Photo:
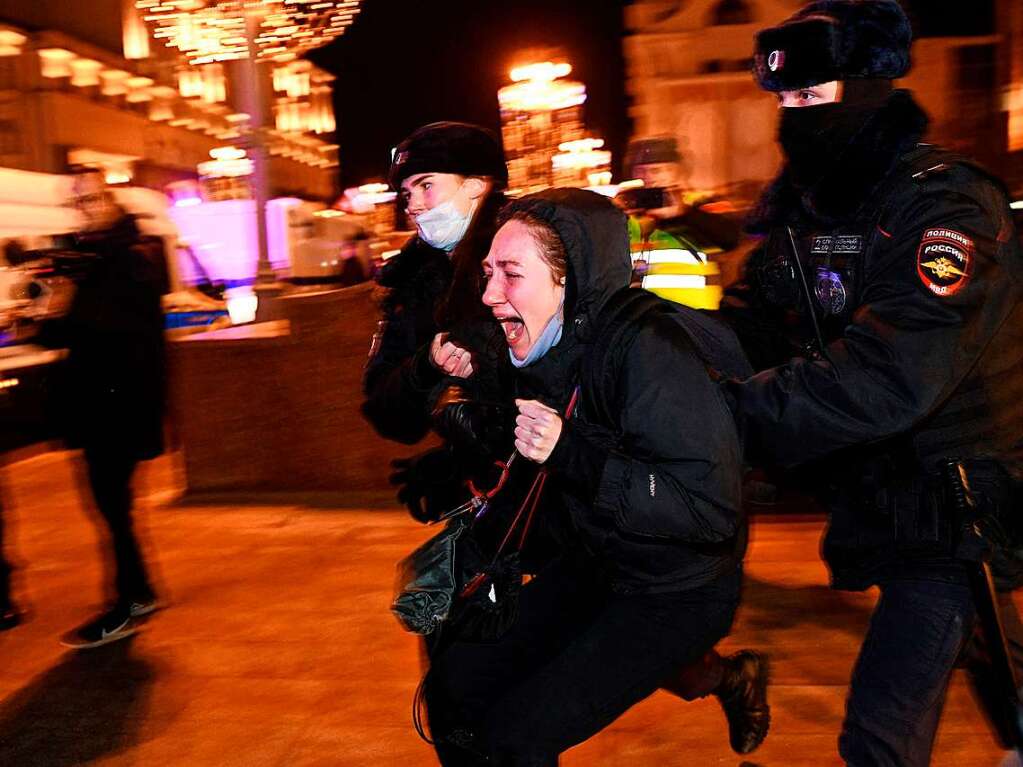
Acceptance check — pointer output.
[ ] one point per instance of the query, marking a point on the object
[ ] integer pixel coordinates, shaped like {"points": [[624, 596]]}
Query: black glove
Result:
{"points": [[483, 430], [429, 484]]}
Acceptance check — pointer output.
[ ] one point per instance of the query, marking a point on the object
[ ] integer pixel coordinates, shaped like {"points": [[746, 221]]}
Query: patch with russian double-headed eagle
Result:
{"points": [[944, 261]]}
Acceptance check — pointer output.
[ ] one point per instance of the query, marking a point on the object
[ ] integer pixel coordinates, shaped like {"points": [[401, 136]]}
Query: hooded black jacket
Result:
{"points": [[653, 488], [919, 363]]}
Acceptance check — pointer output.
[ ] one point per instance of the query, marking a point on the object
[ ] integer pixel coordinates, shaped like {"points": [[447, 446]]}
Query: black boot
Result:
{"points": [[743, 696]]}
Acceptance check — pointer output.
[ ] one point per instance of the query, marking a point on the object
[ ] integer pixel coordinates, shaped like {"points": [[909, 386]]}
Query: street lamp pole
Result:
{"points": [[254, 93]]}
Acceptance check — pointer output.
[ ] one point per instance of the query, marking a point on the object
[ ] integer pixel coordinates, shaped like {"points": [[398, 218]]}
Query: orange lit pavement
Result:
{"points": [[278, 649]]}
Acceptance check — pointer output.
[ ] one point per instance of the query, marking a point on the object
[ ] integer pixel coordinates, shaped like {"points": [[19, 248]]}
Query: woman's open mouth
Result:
{"points": [[513, 328]]}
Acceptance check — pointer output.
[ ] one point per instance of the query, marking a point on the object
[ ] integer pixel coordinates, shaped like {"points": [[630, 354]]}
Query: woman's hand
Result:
{"points": [[450, 357], [537, 429]]}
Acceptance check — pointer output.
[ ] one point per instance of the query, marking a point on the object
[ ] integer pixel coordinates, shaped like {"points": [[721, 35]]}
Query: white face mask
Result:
{"points": [[443, 226]]}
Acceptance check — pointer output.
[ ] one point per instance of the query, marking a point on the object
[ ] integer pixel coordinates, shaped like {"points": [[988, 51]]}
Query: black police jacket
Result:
{"points": [[651, 488], [399, 376], [421, 300], [884, 311]]}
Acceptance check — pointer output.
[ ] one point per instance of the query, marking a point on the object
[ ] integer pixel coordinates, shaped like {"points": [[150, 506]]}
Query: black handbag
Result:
{"points": [[450, 581], [428, 580]]}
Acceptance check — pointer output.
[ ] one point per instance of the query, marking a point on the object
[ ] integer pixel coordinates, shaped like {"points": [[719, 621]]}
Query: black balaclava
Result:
{"points": [[814, 138]]}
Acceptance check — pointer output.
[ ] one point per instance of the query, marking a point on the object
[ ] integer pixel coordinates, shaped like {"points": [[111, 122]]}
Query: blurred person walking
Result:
{"points": [[10, 615], [114, 401], [884, 311]]}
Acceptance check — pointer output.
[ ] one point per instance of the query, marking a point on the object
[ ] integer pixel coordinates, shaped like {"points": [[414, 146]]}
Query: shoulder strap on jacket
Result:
{"points": [[923, 164], [711, 340], [624, 308]]}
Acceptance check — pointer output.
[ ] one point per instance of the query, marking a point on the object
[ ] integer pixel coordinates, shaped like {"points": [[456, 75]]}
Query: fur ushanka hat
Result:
{"points": [[834, 40]]}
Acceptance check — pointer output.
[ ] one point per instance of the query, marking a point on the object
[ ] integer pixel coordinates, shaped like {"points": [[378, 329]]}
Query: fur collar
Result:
{"points": [[848, 187]]}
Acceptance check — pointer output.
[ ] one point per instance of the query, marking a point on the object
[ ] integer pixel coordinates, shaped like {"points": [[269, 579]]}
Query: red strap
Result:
{"points": [[532, 510], [488, 494], [531, 501]]}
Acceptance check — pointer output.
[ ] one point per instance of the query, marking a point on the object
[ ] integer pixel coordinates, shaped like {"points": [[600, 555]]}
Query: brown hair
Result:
{"points": [[552, 249]]}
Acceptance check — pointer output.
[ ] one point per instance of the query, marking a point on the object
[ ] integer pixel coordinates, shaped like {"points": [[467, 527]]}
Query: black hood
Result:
{"points": [[596, 239]]}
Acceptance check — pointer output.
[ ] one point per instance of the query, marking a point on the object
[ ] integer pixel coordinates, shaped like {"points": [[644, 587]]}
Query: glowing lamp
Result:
{"points": [[85, 72], [242, 303], [545, 72], [113, 82], [56, 62], [11, 42]]}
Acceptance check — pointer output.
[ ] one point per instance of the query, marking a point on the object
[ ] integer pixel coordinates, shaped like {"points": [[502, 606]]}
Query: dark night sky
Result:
{"points": [[405, 63]]}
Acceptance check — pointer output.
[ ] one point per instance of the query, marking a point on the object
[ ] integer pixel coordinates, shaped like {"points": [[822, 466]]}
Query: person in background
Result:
{"points": [[883, 309], [675, 243], [449, 177], [113, 404], [10, 615]]}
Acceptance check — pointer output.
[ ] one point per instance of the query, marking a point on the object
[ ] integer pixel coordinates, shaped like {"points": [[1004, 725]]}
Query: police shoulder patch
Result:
{"points": [[944, 261]]}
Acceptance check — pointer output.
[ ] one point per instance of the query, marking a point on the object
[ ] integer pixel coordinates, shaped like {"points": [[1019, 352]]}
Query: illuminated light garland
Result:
{"points": [[541, 96], [578, 160], [214, 30]]}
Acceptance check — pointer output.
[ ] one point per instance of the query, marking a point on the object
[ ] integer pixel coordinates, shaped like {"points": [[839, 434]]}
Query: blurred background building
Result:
{"points": [[83, 83]]}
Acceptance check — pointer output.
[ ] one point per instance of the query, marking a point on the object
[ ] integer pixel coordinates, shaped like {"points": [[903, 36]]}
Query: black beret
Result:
{"points": [[834, 40], [449, 147]]}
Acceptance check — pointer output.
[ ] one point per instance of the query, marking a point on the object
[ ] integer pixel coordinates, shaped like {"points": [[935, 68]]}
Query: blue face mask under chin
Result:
{"points": [[549, 337]]}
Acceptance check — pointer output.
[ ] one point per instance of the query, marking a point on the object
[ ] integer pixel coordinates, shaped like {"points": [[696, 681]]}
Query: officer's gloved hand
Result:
{"points": [[429, 484], [480, 429]]}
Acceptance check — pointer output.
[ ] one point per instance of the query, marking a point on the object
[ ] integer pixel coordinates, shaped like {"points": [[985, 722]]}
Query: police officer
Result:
{"points": [[449, 178], [883, 310], [673, 243]]}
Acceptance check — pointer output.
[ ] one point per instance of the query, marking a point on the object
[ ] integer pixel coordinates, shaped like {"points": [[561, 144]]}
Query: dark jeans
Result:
{"points": [[110, 473], [899, 682], [577, 657]]}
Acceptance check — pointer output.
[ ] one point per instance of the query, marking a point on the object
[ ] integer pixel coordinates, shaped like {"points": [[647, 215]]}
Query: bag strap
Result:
{"points": [[527, 510], [625, 308]]}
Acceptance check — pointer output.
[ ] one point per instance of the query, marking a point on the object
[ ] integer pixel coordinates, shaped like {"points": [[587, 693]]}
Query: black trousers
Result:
{"points": [[577, 657], [110, 471], [919, 631], [900, 679]]}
